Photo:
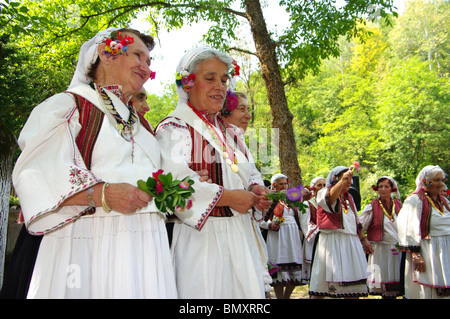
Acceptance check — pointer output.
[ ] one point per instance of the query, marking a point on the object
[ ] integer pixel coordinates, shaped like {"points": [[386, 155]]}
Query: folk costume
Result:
{"points": [[284, 245], [381, 225], [88, 252], [340, 266], [424, 227], [221, 255]]}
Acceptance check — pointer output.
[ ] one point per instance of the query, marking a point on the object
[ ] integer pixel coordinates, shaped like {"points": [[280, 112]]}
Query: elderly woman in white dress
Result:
{"points": [[218, 252], [424, 233], [340, 266], [310, 228], [284, 243], [379, 220], [83, 152]]}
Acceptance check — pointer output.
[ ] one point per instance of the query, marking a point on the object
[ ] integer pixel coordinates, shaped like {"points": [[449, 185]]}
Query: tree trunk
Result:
{"points": [[282, 117], [8, 145]]}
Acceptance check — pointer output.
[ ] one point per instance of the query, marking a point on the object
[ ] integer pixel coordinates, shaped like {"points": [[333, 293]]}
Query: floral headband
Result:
{"points": [[117, 44], [235, 71], [185, 79]]}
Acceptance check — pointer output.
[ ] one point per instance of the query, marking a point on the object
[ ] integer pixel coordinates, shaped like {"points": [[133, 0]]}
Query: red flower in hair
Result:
{"points": [[375, 187]]}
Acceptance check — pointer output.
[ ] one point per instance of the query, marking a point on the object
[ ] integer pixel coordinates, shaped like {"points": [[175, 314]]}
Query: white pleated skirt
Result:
{"points": [[226, 259], [340, 267], [106, 256], [436, 278], [384, 268], [285, 249]]}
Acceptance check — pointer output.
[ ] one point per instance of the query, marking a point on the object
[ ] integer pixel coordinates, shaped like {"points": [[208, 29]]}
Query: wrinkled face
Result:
{"points": [[281, 184], [437, 184], [384, 188], [140, 101], [131, 70], [240, 116], [210, 86], [319, 184]]}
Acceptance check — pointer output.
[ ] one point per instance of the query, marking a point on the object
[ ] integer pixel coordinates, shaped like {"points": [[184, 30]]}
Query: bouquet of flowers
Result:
{"points": [[168, 194], [278, 218], [396, 249], [293, 197]]}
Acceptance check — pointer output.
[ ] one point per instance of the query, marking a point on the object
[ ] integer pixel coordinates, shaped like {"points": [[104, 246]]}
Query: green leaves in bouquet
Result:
{"points": [[168, 194]]}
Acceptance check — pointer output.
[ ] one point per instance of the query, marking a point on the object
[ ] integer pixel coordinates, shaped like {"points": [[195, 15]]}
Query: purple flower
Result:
{"points": [[295, 193]]}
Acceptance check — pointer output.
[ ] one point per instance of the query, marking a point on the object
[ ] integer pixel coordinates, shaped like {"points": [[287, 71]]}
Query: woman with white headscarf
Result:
{"points": [[340, 267], [83, 152], [379, 220], [424, 234], [218, 252]]}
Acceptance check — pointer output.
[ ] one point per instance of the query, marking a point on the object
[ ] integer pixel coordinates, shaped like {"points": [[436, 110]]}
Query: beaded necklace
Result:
{"points": [[344, 204], [389, 215], [230, 156], [125, 128], [441, 211]]}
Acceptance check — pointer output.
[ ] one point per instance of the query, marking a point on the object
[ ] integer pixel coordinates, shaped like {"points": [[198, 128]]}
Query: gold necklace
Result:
{"points": [[344, 204], [434, 206], [391, 215]]}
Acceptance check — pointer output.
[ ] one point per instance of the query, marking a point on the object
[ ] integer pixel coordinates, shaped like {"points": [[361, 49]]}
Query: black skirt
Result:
{"points": [[20, 268]]}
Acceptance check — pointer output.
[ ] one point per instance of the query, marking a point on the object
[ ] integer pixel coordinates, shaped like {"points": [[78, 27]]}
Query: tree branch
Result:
{"points": [[242, 51]]}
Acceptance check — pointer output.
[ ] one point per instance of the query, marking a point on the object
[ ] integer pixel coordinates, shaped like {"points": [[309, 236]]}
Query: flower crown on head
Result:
{"points": [[231, 103], [117, 44], [184, 79]]}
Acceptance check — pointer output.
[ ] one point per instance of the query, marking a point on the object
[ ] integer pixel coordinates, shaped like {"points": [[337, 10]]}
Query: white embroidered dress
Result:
{"points": [[384, 263], [104, 255], [220, 257], [435, 250], [339, 261]]}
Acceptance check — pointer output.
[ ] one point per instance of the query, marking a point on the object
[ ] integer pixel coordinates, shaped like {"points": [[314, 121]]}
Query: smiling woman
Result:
{"points": [[83, 151], [226, 259]]}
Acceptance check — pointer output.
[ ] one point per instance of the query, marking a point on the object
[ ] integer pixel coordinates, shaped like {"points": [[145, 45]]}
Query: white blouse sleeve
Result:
{"points": [[50, 168], [408, 224], [176, 146], [366, 217]]}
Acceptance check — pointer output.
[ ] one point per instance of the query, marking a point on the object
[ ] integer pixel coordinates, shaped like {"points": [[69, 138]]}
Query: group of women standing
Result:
{"points": [[84, 150], [348, 255]]}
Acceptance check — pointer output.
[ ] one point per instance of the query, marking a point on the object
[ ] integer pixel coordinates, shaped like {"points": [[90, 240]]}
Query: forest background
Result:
{"points": [[384, 101]]}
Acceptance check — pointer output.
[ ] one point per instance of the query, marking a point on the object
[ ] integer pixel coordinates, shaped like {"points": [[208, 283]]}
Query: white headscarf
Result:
{"points": [[334, 174], [315, 180], [276, 177], [184, 65], [87, 56], [394, 183], [426, 173]]}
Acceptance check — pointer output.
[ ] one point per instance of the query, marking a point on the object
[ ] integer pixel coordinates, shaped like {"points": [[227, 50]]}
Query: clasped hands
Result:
{"points": [[127, 199]]}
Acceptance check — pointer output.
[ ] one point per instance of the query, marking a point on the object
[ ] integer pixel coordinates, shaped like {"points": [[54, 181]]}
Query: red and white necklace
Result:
{"points": [[229, 156]]}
